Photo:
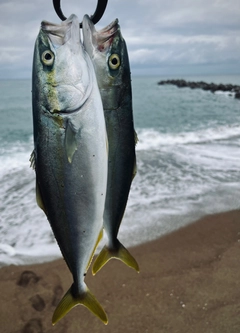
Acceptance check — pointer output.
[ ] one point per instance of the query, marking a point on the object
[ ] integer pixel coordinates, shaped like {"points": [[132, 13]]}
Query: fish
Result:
{"points": [[108, 52], [70, 155]]}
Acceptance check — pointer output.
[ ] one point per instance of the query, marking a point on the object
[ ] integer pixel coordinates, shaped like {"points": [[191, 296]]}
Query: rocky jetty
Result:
{"points": [[232, 89]]}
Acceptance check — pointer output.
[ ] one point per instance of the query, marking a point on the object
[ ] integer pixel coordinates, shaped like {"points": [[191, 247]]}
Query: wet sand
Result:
{"points": [[189, 281]]}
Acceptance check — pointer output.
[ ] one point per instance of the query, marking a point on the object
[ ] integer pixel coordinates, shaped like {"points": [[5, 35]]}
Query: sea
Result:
{"points": [[188, 165]]}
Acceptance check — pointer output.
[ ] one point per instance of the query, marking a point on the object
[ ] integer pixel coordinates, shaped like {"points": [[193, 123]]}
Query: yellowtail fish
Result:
{"points": [[109, 55], [70, 152]]}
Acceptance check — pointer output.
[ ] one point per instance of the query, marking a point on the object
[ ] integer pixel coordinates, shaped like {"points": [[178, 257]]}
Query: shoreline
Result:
{"points": [[189, 281]]}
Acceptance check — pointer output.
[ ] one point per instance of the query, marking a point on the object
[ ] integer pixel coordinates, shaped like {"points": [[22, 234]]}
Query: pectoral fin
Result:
{"points": [[69, 301], [70, 142], [39, 198], [121, 254]]}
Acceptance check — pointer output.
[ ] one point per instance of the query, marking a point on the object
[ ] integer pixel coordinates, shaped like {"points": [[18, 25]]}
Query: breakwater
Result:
{"points": [[213, 87]]}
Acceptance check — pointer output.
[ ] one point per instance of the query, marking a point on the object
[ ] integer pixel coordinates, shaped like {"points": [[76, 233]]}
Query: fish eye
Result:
{"points": [[48, 57], [114, 61]]}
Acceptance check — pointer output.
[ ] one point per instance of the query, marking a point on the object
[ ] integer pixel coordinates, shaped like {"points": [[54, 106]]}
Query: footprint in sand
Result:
{"points": [[27, 278], [37, 303], [33, 326]]}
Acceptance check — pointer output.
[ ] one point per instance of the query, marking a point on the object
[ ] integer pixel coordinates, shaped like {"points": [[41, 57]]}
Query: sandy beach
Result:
{"points": [[189, 281]]}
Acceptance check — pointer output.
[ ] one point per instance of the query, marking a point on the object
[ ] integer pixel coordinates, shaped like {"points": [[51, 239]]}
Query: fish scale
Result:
{"points": [[70, 153], [108, 51]]}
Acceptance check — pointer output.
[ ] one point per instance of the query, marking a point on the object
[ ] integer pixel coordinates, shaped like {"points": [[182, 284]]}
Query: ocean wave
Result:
{"points": [[15, 155], [153, 139]]}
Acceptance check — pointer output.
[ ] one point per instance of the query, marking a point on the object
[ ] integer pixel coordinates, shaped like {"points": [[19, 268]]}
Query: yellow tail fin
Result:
{"points": [[69, 301], [122, 254]]}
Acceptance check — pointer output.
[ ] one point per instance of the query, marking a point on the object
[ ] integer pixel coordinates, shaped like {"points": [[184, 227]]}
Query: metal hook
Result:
{"points": [[101, 6]]}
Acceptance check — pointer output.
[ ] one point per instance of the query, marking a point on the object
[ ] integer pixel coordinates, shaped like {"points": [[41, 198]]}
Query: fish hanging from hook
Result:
{"points": [[101, 7]]}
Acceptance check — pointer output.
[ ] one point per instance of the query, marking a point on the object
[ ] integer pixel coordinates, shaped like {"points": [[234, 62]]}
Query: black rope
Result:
{"points": [[101, 6]]}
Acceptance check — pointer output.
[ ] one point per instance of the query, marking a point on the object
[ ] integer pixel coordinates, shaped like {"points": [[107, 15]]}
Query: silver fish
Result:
{"points": [[109, 55], [70, 152]]}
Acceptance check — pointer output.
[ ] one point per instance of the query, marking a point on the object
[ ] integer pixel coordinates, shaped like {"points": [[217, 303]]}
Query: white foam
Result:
{"points": [[15, 156], [180, 177], [7, 249], [153, 139]]}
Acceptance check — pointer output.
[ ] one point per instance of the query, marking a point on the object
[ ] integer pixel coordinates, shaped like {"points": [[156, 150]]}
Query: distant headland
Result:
{"points": [[232, 89]]}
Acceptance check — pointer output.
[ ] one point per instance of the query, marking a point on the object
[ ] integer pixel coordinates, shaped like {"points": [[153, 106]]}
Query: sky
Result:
{"points": [[175, 37]]}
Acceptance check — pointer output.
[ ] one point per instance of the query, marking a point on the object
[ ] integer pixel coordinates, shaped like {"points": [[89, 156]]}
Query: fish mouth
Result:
{"points": [[67, 90], [60, 34], [101, 39], [107, 34]]}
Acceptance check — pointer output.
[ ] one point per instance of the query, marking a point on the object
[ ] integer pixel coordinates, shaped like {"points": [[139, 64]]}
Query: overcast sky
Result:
{"points": [[174, 37]]}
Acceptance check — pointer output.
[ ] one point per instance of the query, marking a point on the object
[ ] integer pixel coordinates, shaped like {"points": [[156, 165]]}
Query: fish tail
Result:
{"points": [[69, 301], [121, 254]]}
